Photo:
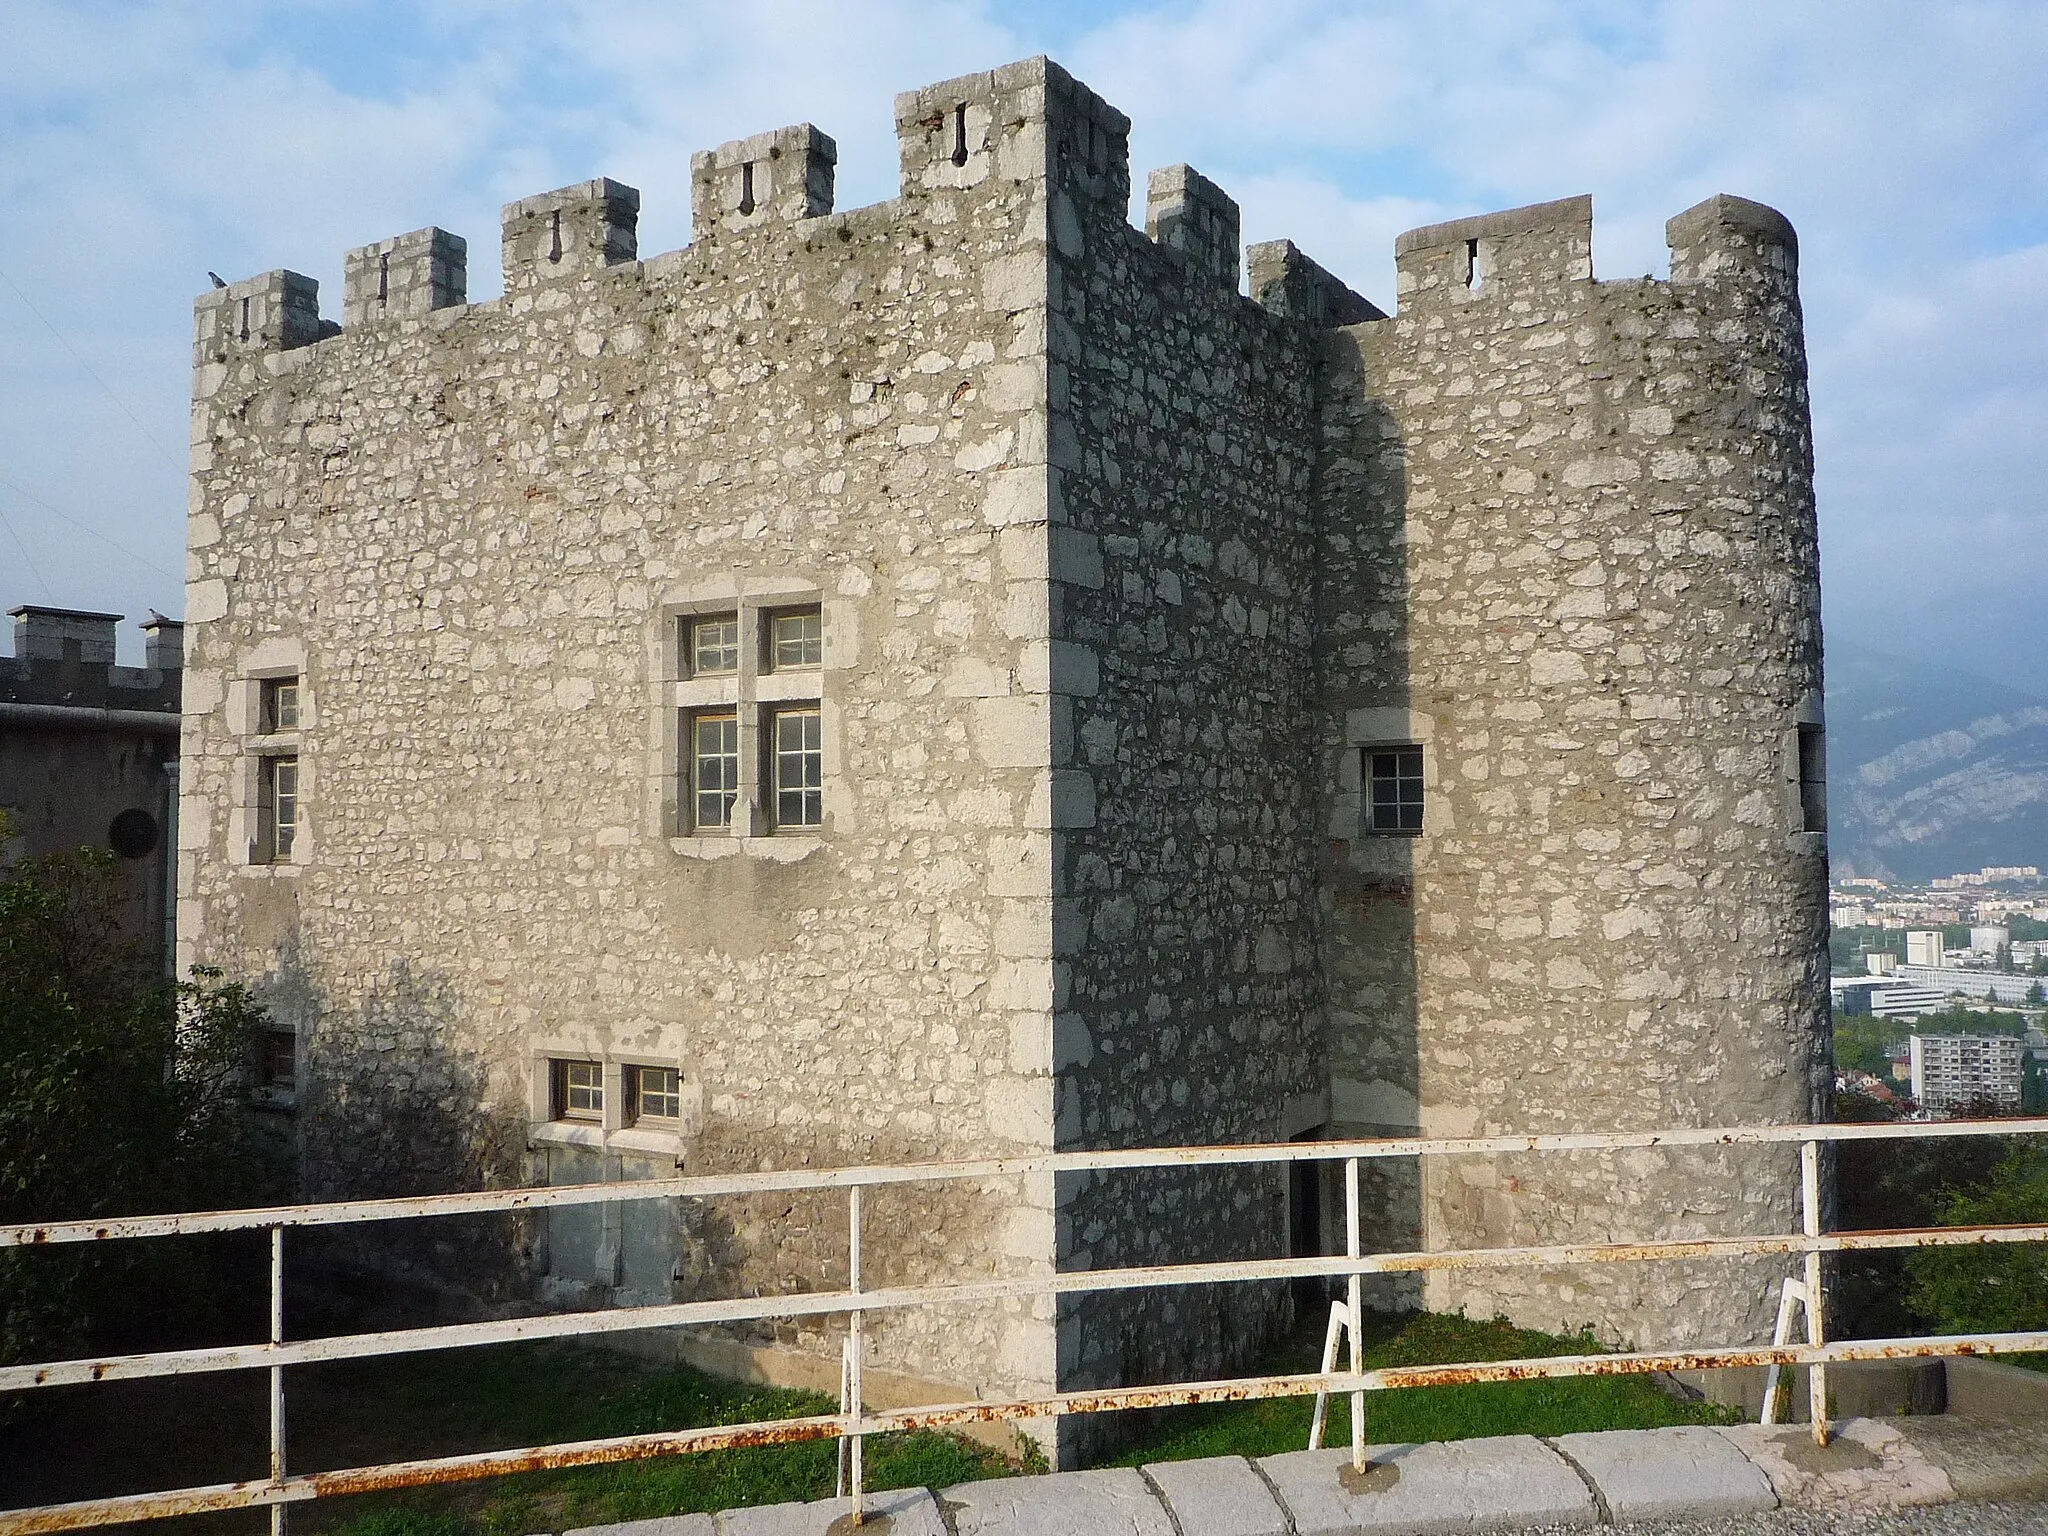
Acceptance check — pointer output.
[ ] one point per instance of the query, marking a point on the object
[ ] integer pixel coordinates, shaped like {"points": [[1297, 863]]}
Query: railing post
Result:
{"points": [[277, 1375], [1357, 1300], [854, 1341], [1816, 1327]]}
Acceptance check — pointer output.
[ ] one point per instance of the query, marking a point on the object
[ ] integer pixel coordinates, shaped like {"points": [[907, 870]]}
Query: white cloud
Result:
{"points": [[140, 145]]}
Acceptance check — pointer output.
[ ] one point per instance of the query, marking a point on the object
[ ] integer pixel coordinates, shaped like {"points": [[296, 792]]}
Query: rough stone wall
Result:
{"points": [[1569, 548], [1119, 574], [1192, 1013], [472, 530]]}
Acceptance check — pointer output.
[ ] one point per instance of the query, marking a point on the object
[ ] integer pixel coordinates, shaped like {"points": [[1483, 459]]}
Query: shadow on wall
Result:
{"points": [[1382, 765], [392, 1103]]}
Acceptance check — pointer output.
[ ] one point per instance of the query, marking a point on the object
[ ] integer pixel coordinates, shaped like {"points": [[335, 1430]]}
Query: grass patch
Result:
{"points": [[1557, 1407], [639, 1402]]}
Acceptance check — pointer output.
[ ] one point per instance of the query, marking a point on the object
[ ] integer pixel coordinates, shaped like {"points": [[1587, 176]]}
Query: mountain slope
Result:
{"points": [[1931, 770]]}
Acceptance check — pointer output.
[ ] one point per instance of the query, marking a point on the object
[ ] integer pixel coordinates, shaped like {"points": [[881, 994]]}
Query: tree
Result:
{"points": [[1994, 1287], [124, 1095]]}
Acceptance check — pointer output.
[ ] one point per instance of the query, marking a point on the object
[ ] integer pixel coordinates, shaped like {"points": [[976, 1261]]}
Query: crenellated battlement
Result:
{"points": [[569, 232], [1524, 251], [1497, 254], [1726, 234], [270, 312], [408, 274], [973, 137], [1027, 121], [770, 178], [1189, 214]]}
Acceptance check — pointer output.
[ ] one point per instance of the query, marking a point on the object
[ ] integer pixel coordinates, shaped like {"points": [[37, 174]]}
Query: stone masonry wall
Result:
{"points": [[1193, 1013], [472, 532], [1569, 548]]}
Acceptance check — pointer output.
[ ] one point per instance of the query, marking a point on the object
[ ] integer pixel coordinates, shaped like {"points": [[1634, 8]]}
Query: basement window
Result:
{"points": [[578, 1090], [653, 1093]]}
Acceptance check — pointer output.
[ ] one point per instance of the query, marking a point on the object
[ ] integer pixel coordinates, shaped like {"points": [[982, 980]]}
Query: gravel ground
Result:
{"points": [[1935, 1520]]}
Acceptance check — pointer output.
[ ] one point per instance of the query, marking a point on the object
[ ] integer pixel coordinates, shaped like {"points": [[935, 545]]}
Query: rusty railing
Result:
{"points": [[855, 1421]]}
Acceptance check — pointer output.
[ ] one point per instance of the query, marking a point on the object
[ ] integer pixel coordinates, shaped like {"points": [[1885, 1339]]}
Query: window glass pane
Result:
{"points": [[280, 704], [582, 1094], [715, 645], [280, 808], [799, 768], [658, 1093], [1395, 789], [798, 639], [714, 768]]}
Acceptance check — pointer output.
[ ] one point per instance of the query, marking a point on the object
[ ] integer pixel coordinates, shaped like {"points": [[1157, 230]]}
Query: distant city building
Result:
{"points": [[1988, 941], [1924, 947], [1881, 962], [1884, 996], [1952, 1071], [1998, 986]]}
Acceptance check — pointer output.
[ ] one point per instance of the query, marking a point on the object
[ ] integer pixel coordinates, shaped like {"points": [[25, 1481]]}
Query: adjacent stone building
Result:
{"points": [[89, 756], [957, 676]]}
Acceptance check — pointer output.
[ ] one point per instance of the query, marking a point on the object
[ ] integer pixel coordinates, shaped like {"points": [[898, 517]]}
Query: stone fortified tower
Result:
{"points": [[915, 682], [1569, 553]]}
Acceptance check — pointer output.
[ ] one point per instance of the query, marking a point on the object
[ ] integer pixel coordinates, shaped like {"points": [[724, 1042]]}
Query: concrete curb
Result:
{"points": [[1514, 1482]]}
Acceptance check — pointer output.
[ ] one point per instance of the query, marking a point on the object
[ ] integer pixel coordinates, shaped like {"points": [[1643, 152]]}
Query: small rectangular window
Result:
{"points": [[277, 810], [579, 1090], [655, 1093], [280, 705], [714, 752], [799, 767], [796, 639], [279, 1065], [1394, 776], [1813, 779], [713, 645]]}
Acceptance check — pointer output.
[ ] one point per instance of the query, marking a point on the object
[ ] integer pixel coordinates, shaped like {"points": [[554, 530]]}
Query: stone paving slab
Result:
{"points": [[899, 1512], [1218, 1496], [1116, 1501], [666, 1525], [1512, 1482], [1648, 1474], [1868, 1465]]}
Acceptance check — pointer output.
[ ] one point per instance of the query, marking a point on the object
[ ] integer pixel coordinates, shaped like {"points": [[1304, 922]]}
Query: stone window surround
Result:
{"points": [[1366, 730], [610, 1133], [750, 692], [268, 661], [1807, 719]]}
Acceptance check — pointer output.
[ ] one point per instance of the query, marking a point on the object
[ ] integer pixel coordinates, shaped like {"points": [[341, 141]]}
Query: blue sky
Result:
{"points": [[143, 144]]}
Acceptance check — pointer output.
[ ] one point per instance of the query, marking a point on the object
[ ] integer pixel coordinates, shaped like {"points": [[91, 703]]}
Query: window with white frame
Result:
{"points": [[748, 727], [277, 810], [711, 644], [796, 639], [712, 744], [277, 705], [798, 769]]}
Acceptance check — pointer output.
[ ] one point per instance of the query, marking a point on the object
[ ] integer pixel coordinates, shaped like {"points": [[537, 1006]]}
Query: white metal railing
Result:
{"points": [[854, 1421]]}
